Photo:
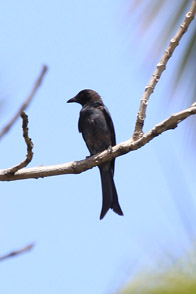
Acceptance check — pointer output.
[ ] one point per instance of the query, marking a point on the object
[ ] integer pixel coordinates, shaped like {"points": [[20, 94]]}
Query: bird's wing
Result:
{"points": [[109, 123], [79, 125], [112, 132]]}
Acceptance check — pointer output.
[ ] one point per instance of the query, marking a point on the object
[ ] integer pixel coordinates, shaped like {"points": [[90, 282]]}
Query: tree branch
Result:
{"points": [[26, 103], [15, 253], [161, 66], [138, 139], [77, 167], [29, 144]]}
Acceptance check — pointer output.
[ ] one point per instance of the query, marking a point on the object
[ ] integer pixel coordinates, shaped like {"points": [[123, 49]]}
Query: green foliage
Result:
{"points": [[179, 278]]}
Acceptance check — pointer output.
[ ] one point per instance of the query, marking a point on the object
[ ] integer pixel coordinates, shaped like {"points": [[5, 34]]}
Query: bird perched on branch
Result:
{"points": [[97, 129]]}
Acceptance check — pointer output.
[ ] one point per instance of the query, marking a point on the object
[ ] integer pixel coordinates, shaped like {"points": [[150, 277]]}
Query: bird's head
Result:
{"points": [[86, 96]]}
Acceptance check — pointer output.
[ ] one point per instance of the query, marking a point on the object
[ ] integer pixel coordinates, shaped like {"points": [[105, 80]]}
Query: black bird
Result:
{"points": [[97, 129]]}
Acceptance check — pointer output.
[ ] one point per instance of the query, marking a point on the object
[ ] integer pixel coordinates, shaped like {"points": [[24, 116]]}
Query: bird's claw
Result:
{"points": [[109, 149]]}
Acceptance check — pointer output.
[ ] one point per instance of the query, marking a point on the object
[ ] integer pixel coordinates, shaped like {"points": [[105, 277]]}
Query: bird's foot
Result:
{"points": [[109, 149]]}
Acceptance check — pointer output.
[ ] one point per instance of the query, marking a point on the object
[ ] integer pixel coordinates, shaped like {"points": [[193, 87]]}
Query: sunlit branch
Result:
{"points": [[77, 167], [29, 144], [161, 66], [25, 104]]}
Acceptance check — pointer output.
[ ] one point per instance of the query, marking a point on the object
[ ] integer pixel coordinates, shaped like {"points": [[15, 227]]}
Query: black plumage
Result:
{"points": [[97, 129]]}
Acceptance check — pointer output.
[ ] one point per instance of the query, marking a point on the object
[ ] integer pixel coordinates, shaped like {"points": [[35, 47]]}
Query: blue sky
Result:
{"points": [[86, 44]]}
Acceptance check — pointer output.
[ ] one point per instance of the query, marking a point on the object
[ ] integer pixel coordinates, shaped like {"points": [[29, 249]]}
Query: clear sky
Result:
{"points": [[86, 44]]}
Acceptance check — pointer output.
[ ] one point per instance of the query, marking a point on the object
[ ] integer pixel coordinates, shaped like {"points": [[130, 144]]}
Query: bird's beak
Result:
{"points": [[72, 100]]}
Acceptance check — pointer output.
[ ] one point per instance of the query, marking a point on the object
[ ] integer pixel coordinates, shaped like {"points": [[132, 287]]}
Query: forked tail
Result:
{"points": [[109, 194]]}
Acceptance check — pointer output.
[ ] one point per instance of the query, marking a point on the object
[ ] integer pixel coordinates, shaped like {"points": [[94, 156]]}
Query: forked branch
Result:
{"points": [[161, 66], [29, 144], [76, 167]]}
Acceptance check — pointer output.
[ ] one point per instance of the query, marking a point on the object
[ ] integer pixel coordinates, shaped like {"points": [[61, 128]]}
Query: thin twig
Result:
{"points": [[77, 167], [29, 144], [18, 252], [161, 66], [26, 103]]}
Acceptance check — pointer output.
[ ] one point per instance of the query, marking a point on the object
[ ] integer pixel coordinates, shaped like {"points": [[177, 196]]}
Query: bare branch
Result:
{"points": [[138, 139], [15, 253], [77, 167], [161, 66], [29, 143], [26, 103]]}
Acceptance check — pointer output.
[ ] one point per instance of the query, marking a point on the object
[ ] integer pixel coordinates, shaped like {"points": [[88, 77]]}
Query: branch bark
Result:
{"points": [[76, 167], [29, 144], [18, 252], [138, 139], [161, 66], [26, 103]]}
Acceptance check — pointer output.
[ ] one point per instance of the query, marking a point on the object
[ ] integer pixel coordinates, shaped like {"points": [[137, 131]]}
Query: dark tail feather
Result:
{"points": [[109, 194], [115, 204]]}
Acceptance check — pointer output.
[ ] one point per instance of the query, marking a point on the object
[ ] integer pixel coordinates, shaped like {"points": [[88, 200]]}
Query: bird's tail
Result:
{"points": [[109, 194]]}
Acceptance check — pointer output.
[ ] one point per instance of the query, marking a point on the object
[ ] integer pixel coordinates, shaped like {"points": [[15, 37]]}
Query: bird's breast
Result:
{"points": [[95, 131]]}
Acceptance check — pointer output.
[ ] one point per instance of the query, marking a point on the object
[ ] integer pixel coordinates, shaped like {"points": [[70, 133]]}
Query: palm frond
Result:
{"points": [[153, 14]]}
